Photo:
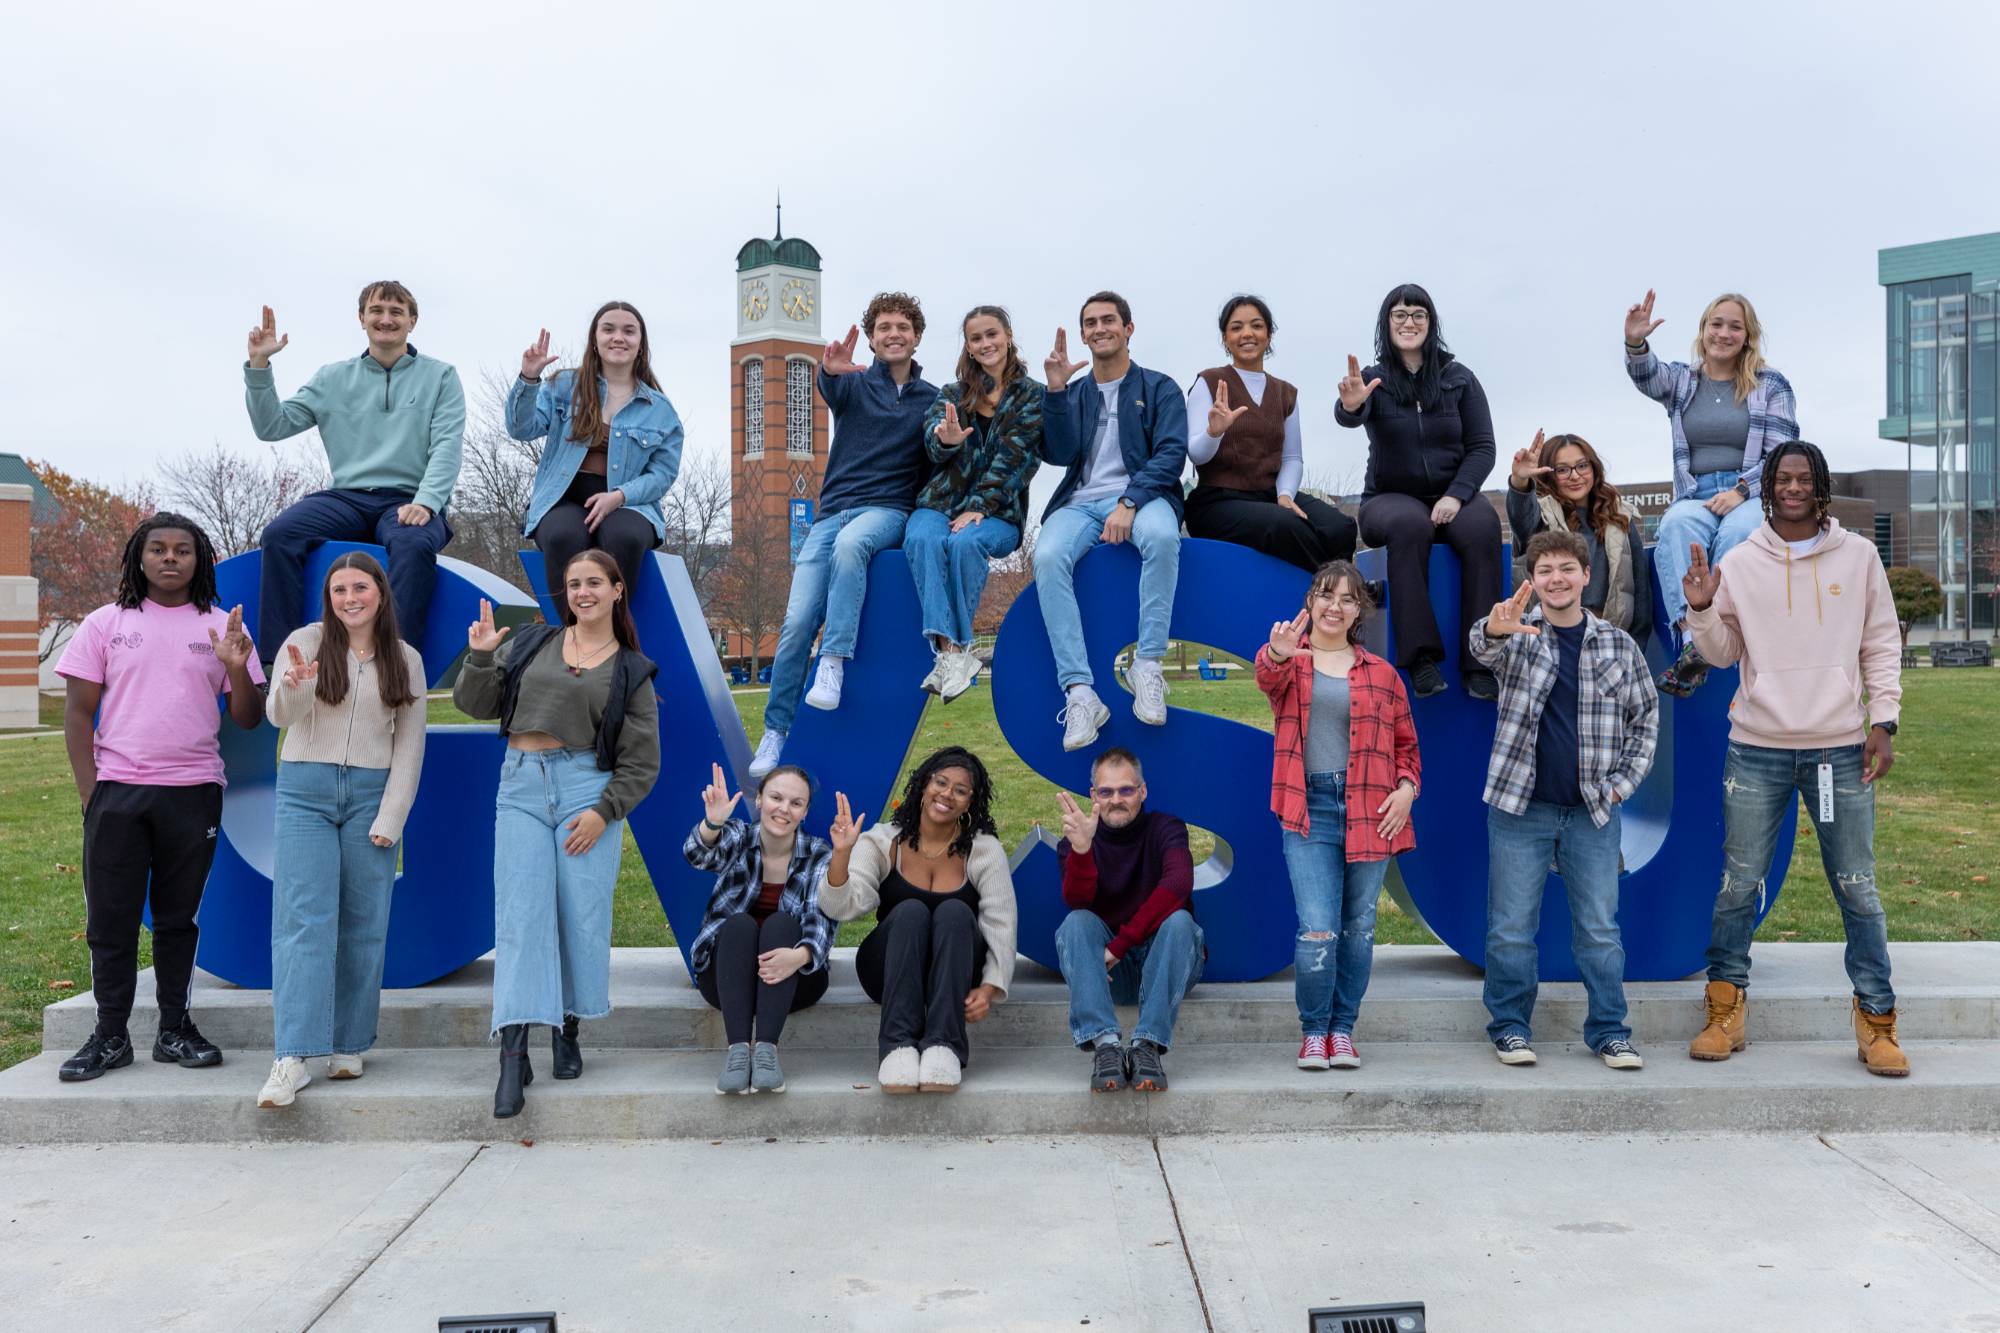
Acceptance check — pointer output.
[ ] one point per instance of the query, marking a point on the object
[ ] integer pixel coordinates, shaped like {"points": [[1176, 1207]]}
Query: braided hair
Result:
{"points": [[132, 585], [1822, 479], [978, 816]]}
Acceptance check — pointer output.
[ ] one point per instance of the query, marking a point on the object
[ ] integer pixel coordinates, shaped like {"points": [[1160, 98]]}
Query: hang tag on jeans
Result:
{"points": [[1826, 793]]}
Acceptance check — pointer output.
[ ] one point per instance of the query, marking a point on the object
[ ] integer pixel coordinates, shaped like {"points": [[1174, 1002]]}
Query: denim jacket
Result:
{"points": [[642, 460]]}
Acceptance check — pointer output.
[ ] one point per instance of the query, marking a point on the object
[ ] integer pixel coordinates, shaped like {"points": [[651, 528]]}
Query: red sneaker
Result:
{"points": [[1312, 1052], [1340, 1047]]}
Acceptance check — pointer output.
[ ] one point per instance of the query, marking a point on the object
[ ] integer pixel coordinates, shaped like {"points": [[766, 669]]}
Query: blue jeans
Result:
{"points": [[1758, 785], [1336, 901], [367, 515], [330, 890], [1689, 521], [551, 910], [828, 583], [1175, 952], [1070, 532], [1518, 851], [950, 568]]}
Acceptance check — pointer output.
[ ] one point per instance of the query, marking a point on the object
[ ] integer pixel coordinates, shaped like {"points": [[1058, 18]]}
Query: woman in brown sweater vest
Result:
{"points": [[1243, 438]]}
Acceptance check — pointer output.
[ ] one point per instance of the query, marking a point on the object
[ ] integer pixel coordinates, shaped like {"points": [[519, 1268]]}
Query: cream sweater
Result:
{"points": [[358, 731], [986, 869]]}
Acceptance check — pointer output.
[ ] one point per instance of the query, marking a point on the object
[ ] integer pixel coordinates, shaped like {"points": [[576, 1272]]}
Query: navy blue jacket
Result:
{"points": [[1152, 434], [877, 456]]}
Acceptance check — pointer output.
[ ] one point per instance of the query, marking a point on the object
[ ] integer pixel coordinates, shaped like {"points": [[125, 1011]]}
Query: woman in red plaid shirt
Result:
{"points": [[1344, 773]]}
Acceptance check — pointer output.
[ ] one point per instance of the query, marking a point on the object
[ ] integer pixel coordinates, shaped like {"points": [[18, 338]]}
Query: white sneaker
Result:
{"points": [[825, 693], [343, 1066], [959, 669], [767, 754], [1149, 691], [899, 1071], [1081, 718], [288, 1075], [932, 681], [938, 1070]]}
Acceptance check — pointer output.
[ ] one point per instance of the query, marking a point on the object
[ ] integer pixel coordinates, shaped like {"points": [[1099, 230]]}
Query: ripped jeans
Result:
{"points": [[1758, 785], [1331, 965]]}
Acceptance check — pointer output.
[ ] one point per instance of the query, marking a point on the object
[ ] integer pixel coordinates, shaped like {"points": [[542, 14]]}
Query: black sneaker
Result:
{"points": [[1482, 685], [1148, 1074], [1620, 1054], [186, 1047], [98, 1056], [1107, 1068], [1514, 1050], [1427, 679]]}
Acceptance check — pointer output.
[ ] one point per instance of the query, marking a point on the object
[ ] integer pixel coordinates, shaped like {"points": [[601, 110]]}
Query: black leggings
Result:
{"points": [[919, 963], [625, 535], [1256, 520], [731, 983], [1403, 524]]}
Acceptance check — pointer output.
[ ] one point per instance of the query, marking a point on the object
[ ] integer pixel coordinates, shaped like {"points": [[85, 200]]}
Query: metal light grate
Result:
{"points": [[1396, 1317], [544, 1322]]}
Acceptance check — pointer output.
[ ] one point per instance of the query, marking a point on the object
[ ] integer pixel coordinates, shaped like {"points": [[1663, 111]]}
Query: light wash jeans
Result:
{"points": [[1156, 974], [1066, 536], [1336, 899], [1689, 521], [828, 583], [949, 568], [551, 910], [330, 891], [1518, 851], [1758, 785]]}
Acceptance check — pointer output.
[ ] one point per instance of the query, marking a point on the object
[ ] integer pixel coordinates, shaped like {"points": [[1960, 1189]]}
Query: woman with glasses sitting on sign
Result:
{"points": [[1557, 484]]}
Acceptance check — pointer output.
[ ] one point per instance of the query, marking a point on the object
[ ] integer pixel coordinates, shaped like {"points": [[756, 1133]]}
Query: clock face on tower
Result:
{"points": [[797, 297], [756, 300]]}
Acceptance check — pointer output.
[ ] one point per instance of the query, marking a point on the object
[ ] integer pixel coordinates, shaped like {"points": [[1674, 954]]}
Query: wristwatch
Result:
{"points": [[1128, 502], [1743, 488], [1889, 727]]}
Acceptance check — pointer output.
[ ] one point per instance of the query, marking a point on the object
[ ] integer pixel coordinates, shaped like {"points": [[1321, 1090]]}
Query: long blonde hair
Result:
{"points": [[1748, 361]]}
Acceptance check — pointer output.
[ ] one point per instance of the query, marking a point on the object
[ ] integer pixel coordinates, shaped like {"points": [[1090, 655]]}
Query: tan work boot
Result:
{"points": [[1875, 1034], [1726, 1033]]}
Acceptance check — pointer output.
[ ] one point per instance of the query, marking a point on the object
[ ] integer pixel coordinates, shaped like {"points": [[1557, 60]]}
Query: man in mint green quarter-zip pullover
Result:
{"points": [[393, 423]]}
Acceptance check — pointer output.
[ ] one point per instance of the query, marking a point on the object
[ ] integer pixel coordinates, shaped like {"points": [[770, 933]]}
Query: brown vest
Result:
{"points": [[1250, 453]]}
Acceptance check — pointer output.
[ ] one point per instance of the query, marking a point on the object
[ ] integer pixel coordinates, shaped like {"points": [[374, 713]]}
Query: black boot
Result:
{"points": [[568, 1055], [515, 1072]]}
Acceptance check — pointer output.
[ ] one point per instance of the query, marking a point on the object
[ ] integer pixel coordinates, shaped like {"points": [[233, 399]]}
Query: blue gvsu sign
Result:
{"points": [[1211, 771]]}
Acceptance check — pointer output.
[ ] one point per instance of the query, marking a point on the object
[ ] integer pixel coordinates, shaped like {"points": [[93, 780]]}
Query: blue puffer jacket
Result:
{"points": [[642, 460]]}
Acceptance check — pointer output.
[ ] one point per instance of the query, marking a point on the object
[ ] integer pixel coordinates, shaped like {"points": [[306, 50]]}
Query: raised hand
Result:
{"points": [[480, 635], [1505, 617], [1639, 321], [301, 671], [1057, 368], [1527, 465], [1353, 392], [1220, 418], [846, 827], [1702, 579], [232, 647], [265, 341], [1285, 635], [716, 798], [949, 432], [838, 358], [537, 358], [1078, 825]]}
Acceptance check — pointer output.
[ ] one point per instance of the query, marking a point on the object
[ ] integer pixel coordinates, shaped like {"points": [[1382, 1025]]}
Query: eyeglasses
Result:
{"points": [[1342, 600], [1409, 316], [1110, 793], [1571, 469]]}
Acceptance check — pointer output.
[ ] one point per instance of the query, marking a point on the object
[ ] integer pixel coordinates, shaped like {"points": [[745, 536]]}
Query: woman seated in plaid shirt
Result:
{"points": [[762, 950]]}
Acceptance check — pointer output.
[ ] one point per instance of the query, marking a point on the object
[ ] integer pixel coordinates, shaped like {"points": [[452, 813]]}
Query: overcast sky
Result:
{"points": [[169, 169]]}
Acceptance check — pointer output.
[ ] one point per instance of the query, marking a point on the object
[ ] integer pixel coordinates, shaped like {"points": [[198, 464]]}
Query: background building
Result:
{"points": [[1943, 374]]}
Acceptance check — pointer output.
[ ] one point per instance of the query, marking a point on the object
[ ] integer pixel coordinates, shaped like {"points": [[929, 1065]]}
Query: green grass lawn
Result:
{"points": [[1938, 846]]}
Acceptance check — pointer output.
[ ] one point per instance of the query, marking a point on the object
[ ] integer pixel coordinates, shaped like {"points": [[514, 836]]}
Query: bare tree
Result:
{"points": [[496, 480], [1006, 579], [235, 497], [696, 510], [753, 586]]}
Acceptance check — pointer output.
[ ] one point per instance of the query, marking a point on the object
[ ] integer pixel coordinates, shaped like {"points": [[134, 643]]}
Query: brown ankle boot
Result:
{"points": [[1726, 1033], [1875, 1035]]}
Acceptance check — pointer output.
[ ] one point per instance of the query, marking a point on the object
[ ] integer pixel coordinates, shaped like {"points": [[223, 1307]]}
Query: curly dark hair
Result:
{"points": [[978, 816], [132, 585], [892, 303], [1822, 478]]}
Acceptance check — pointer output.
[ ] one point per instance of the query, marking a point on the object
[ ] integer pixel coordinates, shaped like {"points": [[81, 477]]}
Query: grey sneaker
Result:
{"points": [[765, 1073], [956, 672], [930, 682], [735, 1076], [1149, 691], [768, 751], [1082, 717]]}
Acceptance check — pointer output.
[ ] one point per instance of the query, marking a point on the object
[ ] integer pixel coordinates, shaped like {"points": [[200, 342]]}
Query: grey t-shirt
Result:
{"points": [[1326, 725], [1717, 427], [1106, 476]]}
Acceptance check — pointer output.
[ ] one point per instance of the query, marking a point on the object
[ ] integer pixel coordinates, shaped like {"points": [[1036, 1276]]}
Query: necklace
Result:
{"points": [[918, 848], [584, 659]]}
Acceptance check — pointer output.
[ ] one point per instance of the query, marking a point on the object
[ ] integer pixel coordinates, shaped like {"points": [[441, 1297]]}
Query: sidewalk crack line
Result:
{"points": [[1194, 1273], [382, 1249]]}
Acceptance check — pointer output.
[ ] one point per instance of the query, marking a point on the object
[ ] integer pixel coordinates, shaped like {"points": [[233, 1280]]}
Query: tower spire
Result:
{"points": [[781, 217]]}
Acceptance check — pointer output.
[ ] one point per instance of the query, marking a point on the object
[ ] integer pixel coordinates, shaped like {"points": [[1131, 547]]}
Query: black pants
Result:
{"points": [[139, 839], [1403, 524], [625, 535], [1255, 519], [731, 983], [919, 963]]}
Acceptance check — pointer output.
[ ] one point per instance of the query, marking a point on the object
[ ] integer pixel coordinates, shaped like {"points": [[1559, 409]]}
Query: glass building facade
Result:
{"points": [[1943, 396]]}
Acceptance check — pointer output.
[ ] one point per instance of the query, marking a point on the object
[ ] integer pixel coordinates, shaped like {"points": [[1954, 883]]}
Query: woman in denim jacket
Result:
{"points": [[613, 446]]}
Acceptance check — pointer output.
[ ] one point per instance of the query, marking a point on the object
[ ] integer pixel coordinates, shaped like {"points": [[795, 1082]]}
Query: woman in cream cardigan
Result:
{"points": [[937, 877]]}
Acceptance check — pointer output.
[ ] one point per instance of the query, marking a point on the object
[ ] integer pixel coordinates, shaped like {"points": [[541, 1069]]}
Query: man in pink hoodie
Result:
{"points": [[1805, 607]]}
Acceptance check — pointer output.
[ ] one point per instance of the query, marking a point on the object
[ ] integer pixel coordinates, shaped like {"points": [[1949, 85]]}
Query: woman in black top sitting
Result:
{"points": [[1430, 447], [938, 880]]}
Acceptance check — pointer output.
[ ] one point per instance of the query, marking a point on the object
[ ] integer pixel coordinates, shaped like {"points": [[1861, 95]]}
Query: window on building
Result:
{"points": [[753, 408], [798, 409]]}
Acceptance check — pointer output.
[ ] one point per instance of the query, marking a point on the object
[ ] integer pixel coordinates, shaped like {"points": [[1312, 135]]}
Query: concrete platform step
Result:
{"points": [[1946, 991], [1424, 1087]]}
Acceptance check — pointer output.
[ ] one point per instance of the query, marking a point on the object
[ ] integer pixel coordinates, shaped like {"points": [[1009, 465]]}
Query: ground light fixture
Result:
{"points": [[1395, 1317], [544, 1322]]}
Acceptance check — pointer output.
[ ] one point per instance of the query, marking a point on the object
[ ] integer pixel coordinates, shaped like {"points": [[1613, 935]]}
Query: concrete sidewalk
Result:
{"points": [[1545, 1233]]}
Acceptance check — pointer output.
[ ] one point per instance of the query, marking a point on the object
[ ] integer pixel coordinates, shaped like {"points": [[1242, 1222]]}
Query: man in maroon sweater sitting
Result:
{"points": [[1130, 937]]}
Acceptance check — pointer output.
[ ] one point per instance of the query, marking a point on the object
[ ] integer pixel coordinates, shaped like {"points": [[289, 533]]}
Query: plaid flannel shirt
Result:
{"points": [[1774, 415], [1617, 713], [737, 862], [1381, 746]]}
